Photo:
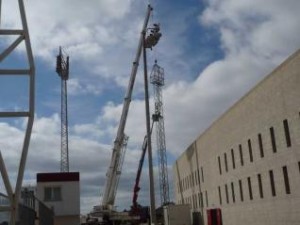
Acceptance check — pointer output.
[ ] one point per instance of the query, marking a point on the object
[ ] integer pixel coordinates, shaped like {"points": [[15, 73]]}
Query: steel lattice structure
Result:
{"points": [[62, 68], [21, 36], [157, 80]]}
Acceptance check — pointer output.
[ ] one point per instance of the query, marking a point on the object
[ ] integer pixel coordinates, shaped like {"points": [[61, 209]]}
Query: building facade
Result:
{"points": [[246, 165], [61, 192]]}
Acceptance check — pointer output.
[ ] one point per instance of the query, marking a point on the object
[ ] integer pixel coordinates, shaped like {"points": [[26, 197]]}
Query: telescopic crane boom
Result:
{"points": [[136, 187], [112, 174]]}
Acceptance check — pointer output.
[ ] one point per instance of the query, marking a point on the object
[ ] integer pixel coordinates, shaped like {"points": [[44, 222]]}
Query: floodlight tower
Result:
{"points": [[157, 80], [62, 68]]}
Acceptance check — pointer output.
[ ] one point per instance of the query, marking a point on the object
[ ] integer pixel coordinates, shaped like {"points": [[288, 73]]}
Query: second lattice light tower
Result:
{"points": [[157, 79]]}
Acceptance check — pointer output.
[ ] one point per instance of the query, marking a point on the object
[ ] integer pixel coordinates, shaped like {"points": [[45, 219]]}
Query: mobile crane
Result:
{"points": [[106, 210]]}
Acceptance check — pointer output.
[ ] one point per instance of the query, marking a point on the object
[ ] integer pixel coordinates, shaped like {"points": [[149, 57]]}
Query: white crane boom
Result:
{"points": [[112, 174]]}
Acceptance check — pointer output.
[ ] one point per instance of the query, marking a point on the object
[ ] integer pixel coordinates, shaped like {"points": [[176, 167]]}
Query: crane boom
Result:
{"points": [[136, 187], [112, 174]]}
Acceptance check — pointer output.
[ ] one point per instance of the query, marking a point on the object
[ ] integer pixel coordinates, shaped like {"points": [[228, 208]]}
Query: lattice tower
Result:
{"points": [[62, 68], [157, 80]]}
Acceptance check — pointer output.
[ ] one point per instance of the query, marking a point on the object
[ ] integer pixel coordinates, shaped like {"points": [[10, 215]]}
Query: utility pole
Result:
{"points": [[157, 80], [62, 68], [21, 36]]}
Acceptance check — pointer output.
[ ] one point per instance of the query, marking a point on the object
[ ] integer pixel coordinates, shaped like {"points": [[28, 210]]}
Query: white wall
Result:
{"points": [[70, 191]]}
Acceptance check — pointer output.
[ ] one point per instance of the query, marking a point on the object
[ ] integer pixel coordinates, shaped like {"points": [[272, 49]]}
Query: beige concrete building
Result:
{"points": [[245, 168], [61, 192]]}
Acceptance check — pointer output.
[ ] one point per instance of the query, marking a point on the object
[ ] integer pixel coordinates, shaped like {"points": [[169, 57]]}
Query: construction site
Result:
{"points": [[246, 161]]}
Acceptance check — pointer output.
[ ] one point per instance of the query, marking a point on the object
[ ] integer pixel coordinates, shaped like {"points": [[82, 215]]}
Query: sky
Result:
{"points": [[212, 51]]}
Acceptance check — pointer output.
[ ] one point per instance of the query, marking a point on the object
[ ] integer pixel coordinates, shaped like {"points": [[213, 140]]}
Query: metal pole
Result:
{"points": [[0, 11], [5, 178], [152, 193], [30, 119]]}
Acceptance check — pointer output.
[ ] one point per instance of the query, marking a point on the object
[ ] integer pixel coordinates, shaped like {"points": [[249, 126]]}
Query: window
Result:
{"points": [[226, 192], [220, 195], [272, 183], [201, 195], [220, 168], [232, 191], [187, 182], [273, 141], [241, 155], [287, 133], [192, 178], [241, 190], [52, 194], [199, 198], [261, 147], [250, 188], [260, 187], [286, 180], [202, 174], [250, 150], [299, 166], [206, 196], [225, 160], [233, 160]]}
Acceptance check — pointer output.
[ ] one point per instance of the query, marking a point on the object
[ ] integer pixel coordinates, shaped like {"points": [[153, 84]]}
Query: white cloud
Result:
{"points": [[255, 36], [77, 87]]}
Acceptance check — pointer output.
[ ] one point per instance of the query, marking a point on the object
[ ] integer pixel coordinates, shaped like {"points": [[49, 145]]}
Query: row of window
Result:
{"points": [[190, 180], [261, 148], [242, 185], [240, 190], [196, 200]]}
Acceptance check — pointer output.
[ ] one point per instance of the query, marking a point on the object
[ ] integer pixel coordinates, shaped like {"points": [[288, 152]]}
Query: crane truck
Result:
{"points": [[106, 210]]}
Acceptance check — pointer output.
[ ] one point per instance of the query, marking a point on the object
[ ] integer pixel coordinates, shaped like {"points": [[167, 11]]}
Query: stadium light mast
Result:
{"points": [[62, 68], [157, 80]]}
